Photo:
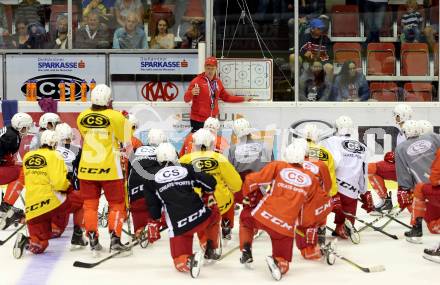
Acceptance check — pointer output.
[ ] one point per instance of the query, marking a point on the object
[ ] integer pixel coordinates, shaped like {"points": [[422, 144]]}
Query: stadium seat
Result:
{"points": [[414, 59], [418, 91], [347, 51], [381, 59], [345, 21], [384, 91]]}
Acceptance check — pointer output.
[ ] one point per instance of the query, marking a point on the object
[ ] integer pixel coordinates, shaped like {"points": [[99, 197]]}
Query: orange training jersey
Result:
{"points": [[292, 186], [102, 133], [221, 144]]}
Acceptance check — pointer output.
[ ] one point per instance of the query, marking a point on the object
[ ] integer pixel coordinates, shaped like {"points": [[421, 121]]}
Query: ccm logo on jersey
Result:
{"points": [[205, 164], [183, 222], [418, 147], [353, 146], [323, 208], [36, 161], [94, 170], [295, 177], [318, 153], [37, 206], [145, 151], [137, 189], [95, 121], [311, 167], [276, 221], [170, 173]]}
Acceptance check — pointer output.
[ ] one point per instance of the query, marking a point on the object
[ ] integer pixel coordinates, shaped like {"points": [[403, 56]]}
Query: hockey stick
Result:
{"points": [[232, 250], [377, 268], [371, 226], [94, 264], [395, 214], [2, 242], [391, 217]]}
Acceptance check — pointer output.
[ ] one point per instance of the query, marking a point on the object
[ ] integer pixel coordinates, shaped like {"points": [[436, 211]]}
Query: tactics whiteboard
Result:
{"points": [[247, 77]]}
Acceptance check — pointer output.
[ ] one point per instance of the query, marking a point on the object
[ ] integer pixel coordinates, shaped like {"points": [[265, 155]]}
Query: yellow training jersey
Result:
{"points": [[102, 133], [45, 178], [321, 153], [216, 164]]}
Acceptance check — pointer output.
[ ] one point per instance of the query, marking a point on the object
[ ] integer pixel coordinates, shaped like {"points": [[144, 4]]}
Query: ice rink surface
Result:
{"points": [[403, 262]]}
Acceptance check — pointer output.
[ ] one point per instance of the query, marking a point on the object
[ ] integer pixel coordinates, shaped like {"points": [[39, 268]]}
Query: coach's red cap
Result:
{"points": [[211, 61]]}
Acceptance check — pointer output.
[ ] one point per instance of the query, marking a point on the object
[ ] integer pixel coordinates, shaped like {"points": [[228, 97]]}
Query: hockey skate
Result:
{"points": [[246, 256], [416, 233], [328, 250], [195, 263], [385, 206], [95, 246], [321, 236], [103, 217], [352, 232], [275, 268], [21, 244], [432, 254], [210, 254], [78, 240], [116, 245], [9, 215]]}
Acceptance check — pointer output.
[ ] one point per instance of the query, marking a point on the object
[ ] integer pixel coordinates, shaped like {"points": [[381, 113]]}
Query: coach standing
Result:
{"points": [[204, 92]]}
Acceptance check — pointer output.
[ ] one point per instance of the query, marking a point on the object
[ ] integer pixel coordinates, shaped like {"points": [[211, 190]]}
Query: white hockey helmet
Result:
{"points": [[425, 127], [212, 124], [311, 132], [404, 111], [203, 137], [410, 129], [22, 121], [166, 152], [156, 137], [242, 127], [49, 138], [296, 151], [101, 95], [133, 120], [64, 132], [47, 118], [344, 125]]}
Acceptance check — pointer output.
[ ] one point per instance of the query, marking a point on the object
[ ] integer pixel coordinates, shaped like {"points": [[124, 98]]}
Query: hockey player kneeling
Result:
{"points": [[186, 214], [45, 200], [276, 213]]}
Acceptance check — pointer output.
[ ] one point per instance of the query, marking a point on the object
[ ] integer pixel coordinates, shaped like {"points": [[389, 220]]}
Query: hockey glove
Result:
{"points": [[209, 200], [336, 203], [153, 230], [404, 197], [252, 199], [367, 202], [306, 237]]}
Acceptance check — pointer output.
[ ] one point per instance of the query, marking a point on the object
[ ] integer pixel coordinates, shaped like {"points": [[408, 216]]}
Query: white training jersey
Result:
{"points": [[350, 158]]}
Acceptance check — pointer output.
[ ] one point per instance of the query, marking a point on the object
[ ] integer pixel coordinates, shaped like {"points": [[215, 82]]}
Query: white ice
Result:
{"points": [[403, 262]]}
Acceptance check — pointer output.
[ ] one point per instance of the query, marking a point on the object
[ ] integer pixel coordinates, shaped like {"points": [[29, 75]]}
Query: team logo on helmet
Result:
{"points": [[95, 121], [295, 177], [145, 151], [353, 146], [205, 164], [35, 161], [170, 173], [311, 167], [318, 153], [67, 154], [418, 147]]}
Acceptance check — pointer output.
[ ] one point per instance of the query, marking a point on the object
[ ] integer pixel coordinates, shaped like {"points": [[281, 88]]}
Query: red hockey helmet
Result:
{"points": [[389, 157]]}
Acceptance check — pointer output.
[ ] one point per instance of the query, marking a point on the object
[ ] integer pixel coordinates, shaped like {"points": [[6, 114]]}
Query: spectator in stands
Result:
{"points": [[311, 8], [37, 36], [104, 8], [374, 17], [93, 35], [124, 7], [194, 35], [411, 23], [130, 36], [3, 18], [316, 46], [20, 40], [59, 38], [31, 10], [314, 85], [161, 38], [350, 84]]}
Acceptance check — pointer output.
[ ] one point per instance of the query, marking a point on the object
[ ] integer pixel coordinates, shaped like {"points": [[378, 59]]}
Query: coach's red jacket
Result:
{"points": [[201, 105]]}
